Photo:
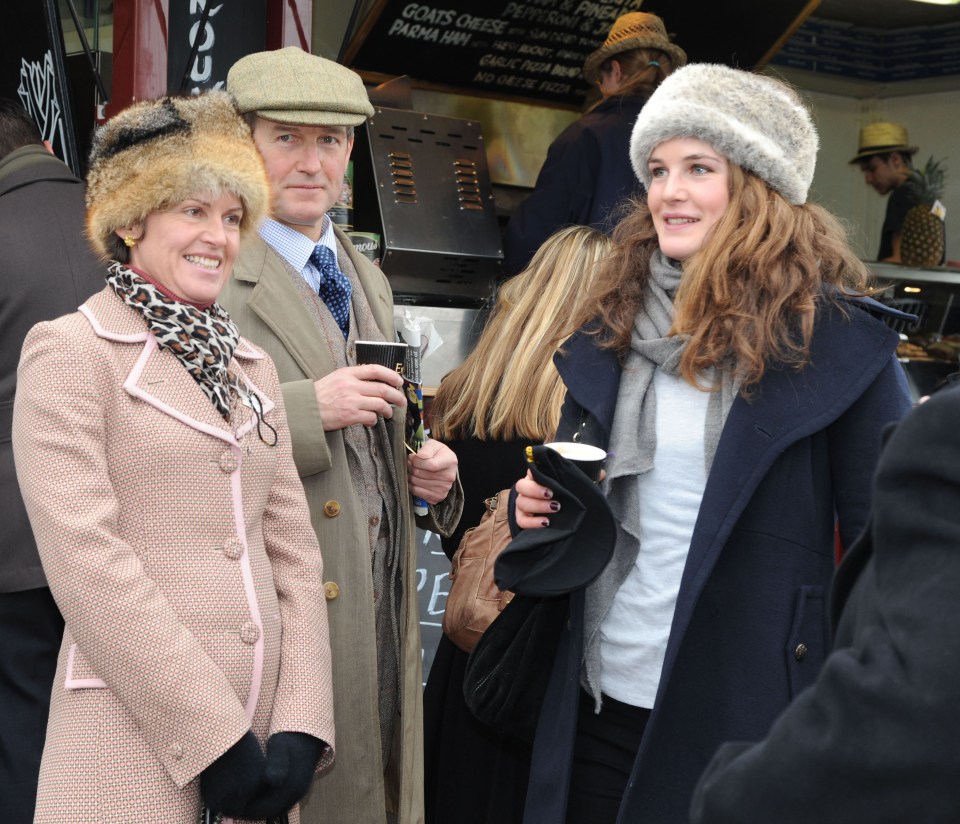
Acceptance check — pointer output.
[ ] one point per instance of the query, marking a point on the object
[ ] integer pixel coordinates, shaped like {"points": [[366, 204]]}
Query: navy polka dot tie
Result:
{"points": [[335, 288]]}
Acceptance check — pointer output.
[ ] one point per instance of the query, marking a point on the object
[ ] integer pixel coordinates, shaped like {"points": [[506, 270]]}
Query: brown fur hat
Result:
{"points": [[157, 153]]}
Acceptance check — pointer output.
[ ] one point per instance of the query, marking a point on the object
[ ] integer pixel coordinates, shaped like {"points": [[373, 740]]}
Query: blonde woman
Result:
{"points": [[505, 395]]}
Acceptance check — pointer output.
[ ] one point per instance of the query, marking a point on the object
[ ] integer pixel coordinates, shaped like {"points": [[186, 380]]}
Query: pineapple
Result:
{"points": [[923, 235]]}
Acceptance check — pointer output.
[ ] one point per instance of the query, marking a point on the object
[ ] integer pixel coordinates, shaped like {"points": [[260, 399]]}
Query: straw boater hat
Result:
{"points": [[880, 138], [293, 86], [636, 30], [157, 153]]}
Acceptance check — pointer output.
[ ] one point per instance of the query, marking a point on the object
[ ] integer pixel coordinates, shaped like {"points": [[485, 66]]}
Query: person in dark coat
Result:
{"points": [[875, 738], [587, 170], [503, 397], [46, 270], [741, 386]]}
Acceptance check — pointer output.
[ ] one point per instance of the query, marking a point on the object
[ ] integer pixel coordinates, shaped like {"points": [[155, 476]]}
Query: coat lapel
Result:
{"points": [[591, 376], [159, 379], [275, 301]]}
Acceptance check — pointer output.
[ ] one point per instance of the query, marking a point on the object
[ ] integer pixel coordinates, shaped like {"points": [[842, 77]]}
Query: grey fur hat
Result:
{"points": [[757, 122]]}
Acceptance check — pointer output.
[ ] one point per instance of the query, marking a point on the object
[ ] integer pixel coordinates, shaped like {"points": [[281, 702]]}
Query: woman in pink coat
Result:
{"points": [[155, 463]]}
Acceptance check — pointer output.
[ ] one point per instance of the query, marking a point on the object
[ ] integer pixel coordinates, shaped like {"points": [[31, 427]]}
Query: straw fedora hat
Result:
{"points": [[636, 30], [880, 138]]}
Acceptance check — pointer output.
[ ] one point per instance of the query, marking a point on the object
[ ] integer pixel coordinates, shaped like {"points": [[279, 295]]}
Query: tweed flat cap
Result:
{"points": [[757, 122], [157, 153], [292, 86]]}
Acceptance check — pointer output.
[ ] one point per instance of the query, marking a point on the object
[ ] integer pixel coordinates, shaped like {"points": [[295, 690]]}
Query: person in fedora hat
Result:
{"points": [[587, 170], [302, 292], [884, 156]]}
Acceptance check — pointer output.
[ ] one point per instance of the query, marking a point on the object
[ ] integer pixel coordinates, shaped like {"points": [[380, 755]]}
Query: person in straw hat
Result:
{"points": [[885, 158], [157, 469], [302, 291], [731, 366], [587, 170]]}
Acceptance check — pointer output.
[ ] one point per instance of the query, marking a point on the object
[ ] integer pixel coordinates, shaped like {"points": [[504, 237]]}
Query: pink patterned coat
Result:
{"points": [[182, 557]]}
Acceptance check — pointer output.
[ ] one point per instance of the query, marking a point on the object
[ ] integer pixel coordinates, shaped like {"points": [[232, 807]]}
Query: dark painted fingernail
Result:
{"points": [[547, 493], [545, 522], [554, 506]]}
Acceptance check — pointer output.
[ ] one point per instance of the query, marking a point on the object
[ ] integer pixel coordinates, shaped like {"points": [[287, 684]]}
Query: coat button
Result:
{"points": [[176, 752], [374, 520], [800, 651], [331, 590], [233, 549], [229, 462], [249, 633], [331, 509]]}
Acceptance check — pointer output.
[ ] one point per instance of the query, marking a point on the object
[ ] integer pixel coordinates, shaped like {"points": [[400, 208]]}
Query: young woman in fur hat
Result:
{"points": [[741, 384], [156, 467]]}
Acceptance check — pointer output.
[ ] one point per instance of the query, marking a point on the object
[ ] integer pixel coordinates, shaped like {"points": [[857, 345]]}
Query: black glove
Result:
{"points": [[231, 782], [292, 759]]}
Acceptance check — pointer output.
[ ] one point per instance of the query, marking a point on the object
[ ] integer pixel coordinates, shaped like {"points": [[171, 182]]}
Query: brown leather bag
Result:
{"points": [[474, 599]]}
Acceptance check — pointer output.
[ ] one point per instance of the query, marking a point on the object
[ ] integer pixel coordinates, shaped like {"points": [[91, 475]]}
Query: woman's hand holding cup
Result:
{"points": [[534, 504]]}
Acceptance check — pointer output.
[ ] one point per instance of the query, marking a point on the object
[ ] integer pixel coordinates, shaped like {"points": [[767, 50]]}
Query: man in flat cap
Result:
{"points": [[885, 158], [303, 293]]}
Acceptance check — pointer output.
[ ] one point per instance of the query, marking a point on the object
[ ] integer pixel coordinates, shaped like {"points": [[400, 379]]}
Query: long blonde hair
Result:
{"points": [[749, 296], [508, 386]]}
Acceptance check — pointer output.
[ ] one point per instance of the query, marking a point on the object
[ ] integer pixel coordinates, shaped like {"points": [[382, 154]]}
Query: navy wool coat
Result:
{"points": [[875, 739], [750, 630], [586, 174]]}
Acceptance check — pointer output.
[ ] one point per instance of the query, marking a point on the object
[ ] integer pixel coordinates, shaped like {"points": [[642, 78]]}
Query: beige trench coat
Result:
{"points": [[182, 558], [262, 299]]}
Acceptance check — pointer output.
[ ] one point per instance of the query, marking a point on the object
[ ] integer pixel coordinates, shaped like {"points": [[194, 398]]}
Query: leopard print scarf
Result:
{"points": [[203, 340]]}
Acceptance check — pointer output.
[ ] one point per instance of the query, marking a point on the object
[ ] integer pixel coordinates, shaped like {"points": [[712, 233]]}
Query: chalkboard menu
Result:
{"points": [[535, 49], [433, 586], [532, 49]]}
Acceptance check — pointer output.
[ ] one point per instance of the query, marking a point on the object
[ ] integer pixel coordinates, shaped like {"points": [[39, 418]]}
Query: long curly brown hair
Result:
{"points": [[749, 296]]}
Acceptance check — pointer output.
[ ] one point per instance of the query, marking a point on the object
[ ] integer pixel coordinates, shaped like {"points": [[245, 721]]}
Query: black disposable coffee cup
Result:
{"points": [[382, 353], [589, 458]]}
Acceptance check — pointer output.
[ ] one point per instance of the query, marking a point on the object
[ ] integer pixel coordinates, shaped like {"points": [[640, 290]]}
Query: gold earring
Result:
{"points": [[129, 241]]}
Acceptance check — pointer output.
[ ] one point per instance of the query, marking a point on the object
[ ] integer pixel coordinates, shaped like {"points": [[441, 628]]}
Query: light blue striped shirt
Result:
{"points": [[295, 247]]}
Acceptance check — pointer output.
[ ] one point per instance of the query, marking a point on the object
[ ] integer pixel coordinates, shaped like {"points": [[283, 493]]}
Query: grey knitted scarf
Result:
{"points": [[633, 443]]}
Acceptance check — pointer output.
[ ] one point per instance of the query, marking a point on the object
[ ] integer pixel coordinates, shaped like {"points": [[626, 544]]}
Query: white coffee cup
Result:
{"points": [[589, 458]]}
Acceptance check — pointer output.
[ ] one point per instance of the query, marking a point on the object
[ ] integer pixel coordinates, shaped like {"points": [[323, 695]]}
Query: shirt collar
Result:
{"points": [[293, 246]]}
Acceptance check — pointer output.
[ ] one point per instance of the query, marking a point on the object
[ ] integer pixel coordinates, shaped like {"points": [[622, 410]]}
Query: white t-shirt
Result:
{"points": [[634, 633]]}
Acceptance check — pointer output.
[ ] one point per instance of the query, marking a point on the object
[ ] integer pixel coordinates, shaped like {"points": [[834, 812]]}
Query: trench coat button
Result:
{"points": [[331, 509], [374, 520], [229, 462], [800, 651], [249, 633], [331, 590], [233, 549], [176, 752]]}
